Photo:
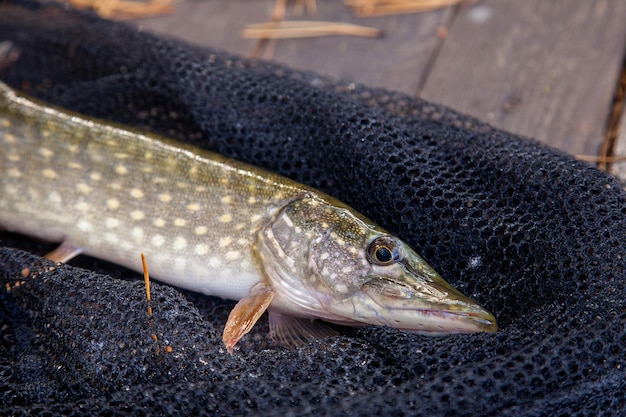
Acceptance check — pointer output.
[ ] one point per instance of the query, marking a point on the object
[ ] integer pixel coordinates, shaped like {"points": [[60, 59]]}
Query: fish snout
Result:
{"points": [[426, 305]]}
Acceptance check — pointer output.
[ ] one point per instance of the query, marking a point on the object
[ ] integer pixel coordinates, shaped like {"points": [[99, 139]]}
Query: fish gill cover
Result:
{"points": [[530, 233]]}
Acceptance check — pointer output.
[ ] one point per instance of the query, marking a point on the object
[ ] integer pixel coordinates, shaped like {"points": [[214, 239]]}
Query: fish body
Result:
{"points": [[216, 226]]}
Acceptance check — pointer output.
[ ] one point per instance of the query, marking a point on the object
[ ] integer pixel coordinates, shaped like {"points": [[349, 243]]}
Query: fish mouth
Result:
{"points": [[446, 322], [426, 307]]}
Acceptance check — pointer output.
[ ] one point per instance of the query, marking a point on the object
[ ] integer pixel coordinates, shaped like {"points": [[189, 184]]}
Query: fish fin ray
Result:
{"points": [[293, 332], [245, 314], [64, 253]]}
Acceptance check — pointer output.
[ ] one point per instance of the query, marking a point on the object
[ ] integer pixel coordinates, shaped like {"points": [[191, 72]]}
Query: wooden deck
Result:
{"points": [[543, 69]]}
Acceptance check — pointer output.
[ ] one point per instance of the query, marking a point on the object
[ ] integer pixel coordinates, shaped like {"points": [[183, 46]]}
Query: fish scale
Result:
{"points": [[214, 225], [121, 192]]}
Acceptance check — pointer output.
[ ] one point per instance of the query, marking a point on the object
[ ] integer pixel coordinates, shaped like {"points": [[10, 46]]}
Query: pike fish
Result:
{"points": [[216, 226]]}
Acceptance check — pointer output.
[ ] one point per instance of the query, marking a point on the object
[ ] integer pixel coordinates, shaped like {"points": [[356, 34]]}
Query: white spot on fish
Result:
{"points": [[180, 222], [159, 180], [201, 230], [121, 170], [137, 215], [13, 157], [339, 241], [201, 249], [9, 138], [54, 197], [83, 188], [201, 189], [84, 226], [225, 218], [159, 222], [342, 288], [157, 240], [255, 218], [179, 243], [137, 233], [232, 255], [193, 207], [111, 238], [136, 192], [82, 206], [324, 256], [121, 155], [113, 203], [346, 269], [115, 185], [49, 173], [74, 165], [5, 123], [73, 148], [14, 173], [251, 200], [214, 262], [95, 176], [46, 153], [111, 223], [243, 242], [165, 198], [240, 226], [225, 241], [227, 199]]}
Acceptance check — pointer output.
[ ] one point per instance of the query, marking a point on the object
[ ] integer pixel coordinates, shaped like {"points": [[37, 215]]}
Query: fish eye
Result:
{"points": [[384, 251]]}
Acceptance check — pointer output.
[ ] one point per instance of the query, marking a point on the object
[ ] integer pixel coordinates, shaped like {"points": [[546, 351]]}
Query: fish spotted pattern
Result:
{"points": [[214, 225]]}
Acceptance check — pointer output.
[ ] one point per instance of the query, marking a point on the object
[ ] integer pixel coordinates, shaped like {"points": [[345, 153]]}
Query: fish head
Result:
{"points": [[326, 261]]}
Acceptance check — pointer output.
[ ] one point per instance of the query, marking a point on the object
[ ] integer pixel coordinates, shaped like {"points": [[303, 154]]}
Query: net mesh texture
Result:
{"points": [[530, 233]]}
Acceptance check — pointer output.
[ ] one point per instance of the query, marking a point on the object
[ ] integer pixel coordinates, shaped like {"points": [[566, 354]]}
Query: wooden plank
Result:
{"points": [[544, 69], [619, 169], [396, 61], [213, 24]]}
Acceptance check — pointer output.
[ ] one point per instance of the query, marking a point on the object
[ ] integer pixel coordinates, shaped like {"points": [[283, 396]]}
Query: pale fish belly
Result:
{"points": [[116, 193]]}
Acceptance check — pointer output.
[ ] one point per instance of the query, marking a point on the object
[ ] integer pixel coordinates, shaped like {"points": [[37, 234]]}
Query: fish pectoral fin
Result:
{"points": [[245, 314], [65, 252], [294, 332]]}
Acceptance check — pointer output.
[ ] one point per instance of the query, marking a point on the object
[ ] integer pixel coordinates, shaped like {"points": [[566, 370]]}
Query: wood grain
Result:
{"points": [[397, 61], [544, 69]]}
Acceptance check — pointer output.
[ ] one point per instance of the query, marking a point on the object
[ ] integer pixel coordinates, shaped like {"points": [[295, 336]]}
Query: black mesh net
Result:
{"points": [[533, 235]]}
